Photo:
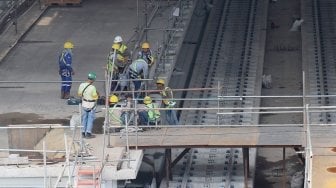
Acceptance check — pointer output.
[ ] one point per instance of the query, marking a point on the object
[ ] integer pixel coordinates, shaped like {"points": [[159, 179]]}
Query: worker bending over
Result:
{"points": [[138, 70]]}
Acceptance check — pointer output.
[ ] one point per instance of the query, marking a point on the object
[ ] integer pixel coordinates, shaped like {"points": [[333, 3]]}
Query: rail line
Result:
{"points": [[228, 58], [321, 66]]}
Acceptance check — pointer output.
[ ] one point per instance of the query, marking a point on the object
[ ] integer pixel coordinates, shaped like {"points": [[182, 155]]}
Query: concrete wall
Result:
{"points": [[25, 139]]}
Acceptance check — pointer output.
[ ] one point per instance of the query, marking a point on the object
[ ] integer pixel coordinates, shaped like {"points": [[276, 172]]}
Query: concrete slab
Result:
{"points": [[92, 28]]}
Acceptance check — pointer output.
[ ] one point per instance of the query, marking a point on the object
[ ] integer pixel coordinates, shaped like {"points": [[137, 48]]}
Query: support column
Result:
{"points": [[169, 175], [284, 176], [246, 162]]}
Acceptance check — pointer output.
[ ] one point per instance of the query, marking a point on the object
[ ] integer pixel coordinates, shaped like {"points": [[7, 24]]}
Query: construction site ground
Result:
{"points": [[31, 55]]}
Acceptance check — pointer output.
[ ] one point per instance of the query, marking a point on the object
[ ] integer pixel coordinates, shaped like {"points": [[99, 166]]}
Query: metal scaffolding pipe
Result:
{"points": [[60, 81], [36, 127], [209, 126], [37, 151]]}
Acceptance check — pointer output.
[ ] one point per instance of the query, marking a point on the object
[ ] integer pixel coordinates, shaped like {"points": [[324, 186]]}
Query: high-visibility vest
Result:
{"points": [[115, 114], [167, 102], [120, 52], [153, 114]]}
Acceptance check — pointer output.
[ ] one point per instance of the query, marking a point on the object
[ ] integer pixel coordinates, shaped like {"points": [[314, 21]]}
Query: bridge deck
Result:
{"points": [[247, 136]]}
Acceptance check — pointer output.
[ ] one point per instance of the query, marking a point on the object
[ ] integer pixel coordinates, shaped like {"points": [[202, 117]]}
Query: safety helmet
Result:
{"points": [[160, 81], [147, 100], [114, 99], [145, 45], [92, 76], [68, 44], [117, 39], [115, 46]]}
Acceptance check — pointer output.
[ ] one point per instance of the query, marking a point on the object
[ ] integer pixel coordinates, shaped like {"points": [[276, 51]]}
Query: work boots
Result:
{"points": [[66, 95], [62, 94]]}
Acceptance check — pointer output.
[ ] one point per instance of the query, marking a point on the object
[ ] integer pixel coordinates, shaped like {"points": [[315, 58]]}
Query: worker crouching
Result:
{"points": [[118, 113], [149, 116]]}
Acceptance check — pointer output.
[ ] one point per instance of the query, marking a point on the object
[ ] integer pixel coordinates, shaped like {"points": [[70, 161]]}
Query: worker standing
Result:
{"points": [[146, 53], [150, 116], [117, 61], [138, 70], [122, 54], [65, 69], [168, 101], [89, 95]]}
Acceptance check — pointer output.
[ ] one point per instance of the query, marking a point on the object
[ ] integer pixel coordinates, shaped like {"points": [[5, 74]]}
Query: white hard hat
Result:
{"points": [[117, 39]]}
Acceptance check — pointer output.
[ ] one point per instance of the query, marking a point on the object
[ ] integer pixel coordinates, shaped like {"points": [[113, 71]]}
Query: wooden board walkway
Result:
{"points": [[214, 137], [323, 139]]}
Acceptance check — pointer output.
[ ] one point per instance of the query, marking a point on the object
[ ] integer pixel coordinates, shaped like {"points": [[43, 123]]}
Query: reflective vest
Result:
{"points": [[120, 52], [153, 114], [170, 103], [120, 57], [115, 113]]}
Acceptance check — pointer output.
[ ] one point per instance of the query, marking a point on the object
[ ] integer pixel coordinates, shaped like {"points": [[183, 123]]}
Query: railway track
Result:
{"points": [[321, 63], [228, 58]]}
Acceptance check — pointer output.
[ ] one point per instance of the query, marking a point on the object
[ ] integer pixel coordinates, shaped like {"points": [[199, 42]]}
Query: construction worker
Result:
{"points": [[116, 114], [168, 101], [150, 116], [65, 69], [121, 53], [138, 70], [146, 53], [89, 95]]}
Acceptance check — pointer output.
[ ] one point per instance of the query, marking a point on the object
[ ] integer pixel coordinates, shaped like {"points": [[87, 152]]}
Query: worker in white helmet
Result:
{"points": [[122, 54], [117, 60]]}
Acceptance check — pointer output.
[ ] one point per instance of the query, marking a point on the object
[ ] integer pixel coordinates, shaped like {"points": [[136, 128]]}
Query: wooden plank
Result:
{"points": [[215, 137], [62, 2]]}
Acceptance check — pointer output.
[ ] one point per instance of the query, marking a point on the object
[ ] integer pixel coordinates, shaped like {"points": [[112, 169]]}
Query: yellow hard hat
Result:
{"points": [[145, 45], [160, 81], [147, 100], [115, 46], [68, 44], [114, 99]]}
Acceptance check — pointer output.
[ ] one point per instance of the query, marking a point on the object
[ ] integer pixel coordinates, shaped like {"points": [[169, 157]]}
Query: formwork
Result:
{"points": [[62, 2]]}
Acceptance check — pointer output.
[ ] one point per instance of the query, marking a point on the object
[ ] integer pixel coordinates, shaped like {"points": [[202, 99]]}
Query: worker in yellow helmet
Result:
{"points": [[118, 112], [150, 116], [115, 120], [168, 101], [65, 69], [146, 53]]}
